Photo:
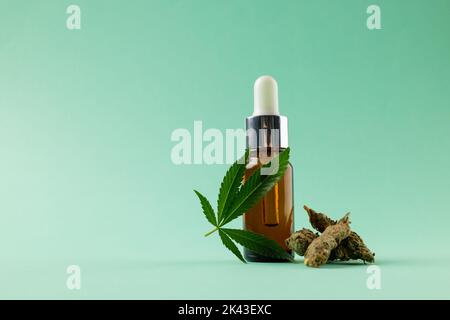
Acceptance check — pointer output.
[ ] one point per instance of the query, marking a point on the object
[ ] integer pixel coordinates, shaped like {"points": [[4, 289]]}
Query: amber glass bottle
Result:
{"points": [[267, 135], [273, 216]]}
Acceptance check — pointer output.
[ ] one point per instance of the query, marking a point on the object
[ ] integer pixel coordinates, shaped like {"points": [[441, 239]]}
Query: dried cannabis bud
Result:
{"points": [[319, 221], [351, 248], [300, 240], [320, 248]]}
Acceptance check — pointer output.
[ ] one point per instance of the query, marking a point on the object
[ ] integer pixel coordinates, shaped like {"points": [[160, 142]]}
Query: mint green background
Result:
{"points": [[86, 118]]}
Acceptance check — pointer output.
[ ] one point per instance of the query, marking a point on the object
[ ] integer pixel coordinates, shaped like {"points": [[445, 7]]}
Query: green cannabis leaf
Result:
{"points": [[258, 243], [230, 185], [235, 198], [230, 245], [207, 209], [255, 188]]}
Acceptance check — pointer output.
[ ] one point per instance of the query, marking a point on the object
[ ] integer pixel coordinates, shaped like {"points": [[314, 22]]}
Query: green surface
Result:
{"points": [[86, 117]]}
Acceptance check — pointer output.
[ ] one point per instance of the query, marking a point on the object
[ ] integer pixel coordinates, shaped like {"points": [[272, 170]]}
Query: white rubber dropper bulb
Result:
{"points": [[265, 93]]}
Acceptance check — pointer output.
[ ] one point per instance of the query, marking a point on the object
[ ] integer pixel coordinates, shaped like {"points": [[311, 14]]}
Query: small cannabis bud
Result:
{"points": [[344, 244], [235, 198], [319, 250]]}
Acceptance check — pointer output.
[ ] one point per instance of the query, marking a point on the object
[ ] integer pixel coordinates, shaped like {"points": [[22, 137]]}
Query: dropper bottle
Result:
{"points": [[267, 135]]}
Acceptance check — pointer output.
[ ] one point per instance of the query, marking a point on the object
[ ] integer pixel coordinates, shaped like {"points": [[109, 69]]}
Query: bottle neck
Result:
{"points": [[263, 155], [267, 132]]}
